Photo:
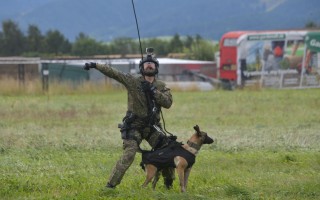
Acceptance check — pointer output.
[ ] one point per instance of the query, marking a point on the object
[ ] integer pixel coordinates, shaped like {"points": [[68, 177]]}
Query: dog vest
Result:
{"points": [[163, 158]]}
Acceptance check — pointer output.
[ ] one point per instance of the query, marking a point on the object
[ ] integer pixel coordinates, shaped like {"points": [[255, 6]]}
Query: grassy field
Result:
{"points": [[64, 145]]}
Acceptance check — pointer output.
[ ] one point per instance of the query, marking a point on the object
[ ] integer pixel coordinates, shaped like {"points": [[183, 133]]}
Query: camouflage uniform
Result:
{"points": [[140, 129]]}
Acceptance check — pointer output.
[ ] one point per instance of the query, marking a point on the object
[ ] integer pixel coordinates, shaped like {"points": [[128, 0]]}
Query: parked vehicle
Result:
{"points": [[269, 59]]}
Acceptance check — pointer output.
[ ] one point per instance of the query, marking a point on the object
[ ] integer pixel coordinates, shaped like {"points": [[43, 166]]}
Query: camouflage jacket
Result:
{"points": [[137, 100]]}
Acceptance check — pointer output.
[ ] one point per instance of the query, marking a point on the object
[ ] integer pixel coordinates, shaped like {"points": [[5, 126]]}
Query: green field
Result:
{"points": [[63, 146]]}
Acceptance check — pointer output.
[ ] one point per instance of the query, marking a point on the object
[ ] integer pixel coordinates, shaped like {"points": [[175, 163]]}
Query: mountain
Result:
{"points": [[108, 19]]}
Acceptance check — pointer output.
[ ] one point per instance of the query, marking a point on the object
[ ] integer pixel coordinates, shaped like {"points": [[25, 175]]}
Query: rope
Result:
{"points": [[135, 15]]}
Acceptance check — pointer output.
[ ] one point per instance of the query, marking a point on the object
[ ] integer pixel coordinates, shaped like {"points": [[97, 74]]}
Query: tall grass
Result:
{"points": [[10, 86], [64, 143]]}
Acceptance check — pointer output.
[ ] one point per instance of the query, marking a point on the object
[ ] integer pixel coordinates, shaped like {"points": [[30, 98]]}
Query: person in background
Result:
{"points": [[278, 56]]}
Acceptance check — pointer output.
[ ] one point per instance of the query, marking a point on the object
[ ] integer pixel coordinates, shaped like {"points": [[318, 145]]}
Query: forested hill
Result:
{"points": [[109, 19]]}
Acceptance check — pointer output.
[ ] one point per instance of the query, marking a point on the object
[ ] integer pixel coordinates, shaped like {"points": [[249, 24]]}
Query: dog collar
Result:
{"points": [[194, 145]]}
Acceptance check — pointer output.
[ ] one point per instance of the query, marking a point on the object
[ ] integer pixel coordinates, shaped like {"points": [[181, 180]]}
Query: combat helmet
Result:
{"points": [[150, 57]]}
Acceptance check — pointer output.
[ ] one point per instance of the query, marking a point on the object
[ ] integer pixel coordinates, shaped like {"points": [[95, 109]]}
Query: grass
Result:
{"points": [[63, 145]]}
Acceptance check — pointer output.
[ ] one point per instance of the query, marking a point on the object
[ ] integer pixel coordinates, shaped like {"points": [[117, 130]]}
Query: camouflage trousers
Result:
{"points": [[130, 148]]}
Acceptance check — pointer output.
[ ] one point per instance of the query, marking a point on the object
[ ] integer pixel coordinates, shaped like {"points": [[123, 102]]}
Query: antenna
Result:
{"points": [[134, 10]]}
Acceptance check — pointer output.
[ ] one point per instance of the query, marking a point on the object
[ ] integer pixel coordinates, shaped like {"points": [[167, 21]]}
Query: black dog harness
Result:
{"points": [[163, 158]]}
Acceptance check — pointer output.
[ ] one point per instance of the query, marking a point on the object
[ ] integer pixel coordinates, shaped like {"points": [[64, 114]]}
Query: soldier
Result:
{"points": [[146, 96]]}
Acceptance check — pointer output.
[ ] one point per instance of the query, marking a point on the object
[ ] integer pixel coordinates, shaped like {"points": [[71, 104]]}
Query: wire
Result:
{"points": [[134, 10], [135, 15]]}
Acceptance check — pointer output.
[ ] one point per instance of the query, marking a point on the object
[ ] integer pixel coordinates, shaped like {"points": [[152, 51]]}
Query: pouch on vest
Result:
{"points": [[125, 127]]}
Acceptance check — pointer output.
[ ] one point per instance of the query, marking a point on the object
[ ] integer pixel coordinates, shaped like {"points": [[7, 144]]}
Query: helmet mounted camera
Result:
{"points": [[149, 58]]}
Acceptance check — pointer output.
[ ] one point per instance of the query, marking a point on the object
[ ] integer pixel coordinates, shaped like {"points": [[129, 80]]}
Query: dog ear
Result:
{"points": [[197, 128]]}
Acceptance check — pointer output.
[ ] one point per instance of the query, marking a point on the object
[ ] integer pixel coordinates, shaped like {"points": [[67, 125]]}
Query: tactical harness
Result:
{"points": [[127, 129], [164, 158]]}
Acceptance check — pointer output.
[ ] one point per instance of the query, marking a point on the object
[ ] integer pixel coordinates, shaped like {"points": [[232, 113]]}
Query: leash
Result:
{"points": [[164, 127]]}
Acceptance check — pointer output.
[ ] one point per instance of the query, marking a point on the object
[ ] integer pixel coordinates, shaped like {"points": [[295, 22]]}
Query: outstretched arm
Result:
{"points": [[110, 72]]}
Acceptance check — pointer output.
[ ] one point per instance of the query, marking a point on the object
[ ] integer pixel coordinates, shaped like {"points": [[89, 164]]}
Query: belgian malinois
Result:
{"points": [[181, 157]]}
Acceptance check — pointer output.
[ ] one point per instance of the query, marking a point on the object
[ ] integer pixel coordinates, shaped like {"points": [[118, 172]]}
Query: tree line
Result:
{"points": [[13, 42]]}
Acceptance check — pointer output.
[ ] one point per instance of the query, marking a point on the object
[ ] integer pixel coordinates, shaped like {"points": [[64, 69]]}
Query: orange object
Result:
{"points": [[278, 51]]}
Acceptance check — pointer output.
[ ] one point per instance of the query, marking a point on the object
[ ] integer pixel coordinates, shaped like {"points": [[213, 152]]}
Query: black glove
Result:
{"points": [[146, 86], [87, 66]]}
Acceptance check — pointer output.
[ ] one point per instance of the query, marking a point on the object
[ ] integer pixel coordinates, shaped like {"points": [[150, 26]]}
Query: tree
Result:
{"points": [[202, 50], [124, 45], [34, 39], [160, 45], [86, 46], [1, 43], [14, 43], [56, 43], [176, 45], [13, 39], [188, 42], [311, 24]]}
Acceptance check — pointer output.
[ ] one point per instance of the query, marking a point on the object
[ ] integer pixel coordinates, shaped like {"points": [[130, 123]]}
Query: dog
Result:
{"points": [[177, 155]]}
